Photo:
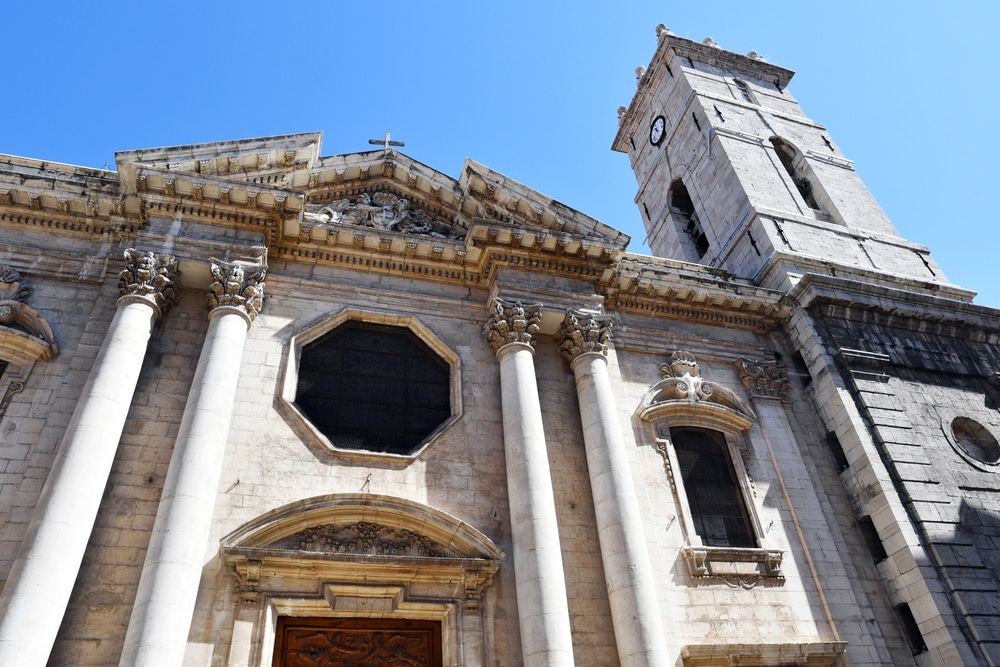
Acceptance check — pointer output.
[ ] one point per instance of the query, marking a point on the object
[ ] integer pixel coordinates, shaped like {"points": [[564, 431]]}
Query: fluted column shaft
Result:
{"points": [[627, 569], [168, 587], [43, 575], [543, 611]]}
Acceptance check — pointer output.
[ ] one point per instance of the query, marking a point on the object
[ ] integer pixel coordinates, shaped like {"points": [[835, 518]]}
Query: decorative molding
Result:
{"points": [[764, 379], [737, 568], [584, 332], [683, 382], [15, 387], [237, 285], [365, 538], [149, 277], [865, 365], [512, 323], [662, 448], [814, 654]]}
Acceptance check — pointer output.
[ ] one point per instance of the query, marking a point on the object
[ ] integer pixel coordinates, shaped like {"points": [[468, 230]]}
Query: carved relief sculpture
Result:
{"points": [[150, 278], [383, 211], [689, 385], [365, 538], [237, 285], [512, 323], [763, 379], [584, 332]]}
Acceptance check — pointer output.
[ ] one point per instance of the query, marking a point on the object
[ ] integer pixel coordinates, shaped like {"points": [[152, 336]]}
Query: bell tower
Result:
{"points": [[732, 174]]}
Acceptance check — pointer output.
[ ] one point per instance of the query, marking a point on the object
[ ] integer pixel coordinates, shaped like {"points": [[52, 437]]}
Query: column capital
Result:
{"points": [[237, 285], [512, 323], [148, 278], [584, 332]]}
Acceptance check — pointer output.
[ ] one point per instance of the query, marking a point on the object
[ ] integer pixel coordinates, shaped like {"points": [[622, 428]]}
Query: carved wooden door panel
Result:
{"points": [[356, 642]]}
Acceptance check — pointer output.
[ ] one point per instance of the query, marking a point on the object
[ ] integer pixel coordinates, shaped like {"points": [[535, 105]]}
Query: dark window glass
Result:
{"points": [[3, 367], [720, 516], [374, 388]]}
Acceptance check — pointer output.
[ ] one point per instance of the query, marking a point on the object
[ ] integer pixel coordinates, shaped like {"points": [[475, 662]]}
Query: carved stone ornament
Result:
{"points": [[149, 277], [737, 568], [12, 286], [512, 323], [237, 285], [381, 210], [13, 388], [584, 332], [366, 539], [763, 379], [685, 383]]}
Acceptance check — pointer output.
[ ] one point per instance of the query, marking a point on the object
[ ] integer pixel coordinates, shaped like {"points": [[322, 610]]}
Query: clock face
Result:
{"points": [[657, 130]]}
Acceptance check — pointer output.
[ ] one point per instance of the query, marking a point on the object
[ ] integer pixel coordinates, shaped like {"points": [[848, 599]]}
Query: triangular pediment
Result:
{"points": [[263, 161]]}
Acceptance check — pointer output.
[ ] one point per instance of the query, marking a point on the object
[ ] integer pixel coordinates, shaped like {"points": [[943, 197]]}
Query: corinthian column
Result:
{"points": [[538, 568], [168, 588], [42, 578], [631, 589]]}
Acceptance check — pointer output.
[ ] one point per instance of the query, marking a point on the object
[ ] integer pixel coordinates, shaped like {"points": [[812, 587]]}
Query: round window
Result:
{"points": [[975, 440]]}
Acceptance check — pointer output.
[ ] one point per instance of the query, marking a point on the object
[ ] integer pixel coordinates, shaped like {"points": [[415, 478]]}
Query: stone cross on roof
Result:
{"points": [[385, 142]]}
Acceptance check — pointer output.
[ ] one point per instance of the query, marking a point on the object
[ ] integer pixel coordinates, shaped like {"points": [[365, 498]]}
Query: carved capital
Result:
{"points": [[512, 323], [237, 285], [763, 379], [149, 277], [584, 332]]}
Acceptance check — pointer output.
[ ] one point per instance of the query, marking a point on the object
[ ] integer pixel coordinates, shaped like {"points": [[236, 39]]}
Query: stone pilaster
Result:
{"points": [[42, 578], [168, 588], [635, 611], [543, 609]]}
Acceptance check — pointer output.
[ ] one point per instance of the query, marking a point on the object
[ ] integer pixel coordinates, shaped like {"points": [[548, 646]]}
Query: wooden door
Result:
{"points": [[356, 642]]}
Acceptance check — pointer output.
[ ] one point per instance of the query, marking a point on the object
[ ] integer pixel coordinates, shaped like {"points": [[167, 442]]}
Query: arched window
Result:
{"points": [[718, 511], [801, 175], [744, 91], [681, 209]]}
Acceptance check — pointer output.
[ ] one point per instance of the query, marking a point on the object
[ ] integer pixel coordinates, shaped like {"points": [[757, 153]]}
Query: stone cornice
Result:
{"points": [[918, 311], [52, 264], [219, 193], [688, 291]]}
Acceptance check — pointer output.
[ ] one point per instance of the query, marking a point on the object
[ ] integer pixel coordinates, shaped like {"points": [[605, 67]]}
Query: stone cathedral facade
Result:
{"points": [[262, 407]]}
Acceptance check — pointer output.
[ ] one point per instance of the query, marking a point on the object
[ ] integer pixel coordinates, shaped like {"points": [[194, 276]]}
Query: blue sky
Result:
{"points": [[530, 89]]}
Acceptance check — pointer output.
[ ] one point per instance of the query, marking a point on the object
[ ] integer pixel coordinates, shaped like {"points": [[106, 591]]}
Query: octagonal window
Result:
{"points": [[373, 387]]}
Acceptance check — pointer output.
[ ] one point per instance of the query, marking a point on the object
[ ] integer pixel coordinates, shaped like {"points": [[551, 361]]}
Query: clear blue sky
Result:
{"points": [[907, 89]]}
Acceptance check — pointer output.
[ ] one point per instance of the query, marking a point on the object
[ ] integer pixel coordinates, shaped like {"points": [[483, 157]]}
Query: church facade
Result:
{"points": [[260, 406]]}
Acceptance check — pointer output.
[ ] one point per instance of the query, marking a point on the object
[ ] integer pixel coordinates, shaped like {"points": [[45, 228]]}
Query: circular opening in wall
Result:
{"points": [[975, 440]]}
